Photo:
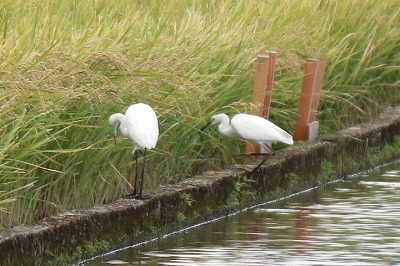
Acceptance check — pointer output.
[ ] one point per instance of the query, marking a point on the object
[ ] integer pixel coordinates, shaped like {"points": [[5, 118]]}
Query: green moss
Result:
{"points": [[137, 231], [87, 249], [350, 165], [154, 231], [277, 193], [195, 214], [94, 246], [377, 155], [233, 199], [208, 211], [294, 179], [346, 164], [326, 172]]}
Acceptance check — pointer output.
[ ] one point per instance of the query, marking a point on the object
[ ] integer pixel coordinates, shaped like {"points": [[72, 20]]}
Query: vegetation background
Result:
{"points": [[66, 66]]}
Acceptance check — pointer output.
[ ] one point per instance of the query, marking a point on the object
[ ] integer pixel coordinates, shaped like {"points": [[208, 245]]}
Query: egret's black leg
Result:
{"points": [[140, 195], [270, 152], [258, 166], [268, 148], [135, 158], [252, 154], [136, 173]]}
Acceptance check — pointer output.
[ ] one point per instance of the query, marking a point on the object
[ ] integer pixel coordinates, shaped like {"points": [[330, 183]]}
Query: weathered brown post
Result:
{"points": [[263, 83], [270, 83], [307, 127]]}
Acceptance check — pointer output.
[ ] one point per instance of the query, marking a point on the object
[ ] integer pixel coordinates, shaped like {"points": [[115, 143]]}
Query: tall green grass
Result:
{"points": [[66, 66]]}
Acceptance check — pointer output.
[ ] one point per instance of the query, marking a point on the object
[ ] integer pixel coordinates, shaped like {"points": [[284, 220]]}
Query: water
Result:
{"points": [[351, 222]]}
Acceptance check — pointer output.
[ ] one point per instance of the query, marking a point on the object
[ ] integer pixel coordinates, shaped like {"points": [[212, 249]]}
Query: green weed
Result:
{"points": [[180, 217], [186, 197]]}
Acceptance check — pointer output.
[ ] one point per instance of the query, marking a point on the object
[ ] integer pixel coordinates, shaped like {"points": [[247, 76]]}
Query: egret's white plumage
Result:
{"points": [[251, 128], [140, 124]]}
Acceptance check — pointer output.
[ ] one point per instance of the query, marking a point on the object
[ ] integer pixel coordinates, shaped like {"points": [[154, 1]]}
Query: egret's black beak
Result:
{"points": [[206, 126], [115, 140]]}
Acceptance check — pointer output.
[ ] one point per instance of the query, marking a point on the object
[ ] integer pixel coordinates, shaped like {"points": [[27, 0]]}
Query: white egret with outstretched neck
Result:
{"points": [[251, 128], [140, 124]]}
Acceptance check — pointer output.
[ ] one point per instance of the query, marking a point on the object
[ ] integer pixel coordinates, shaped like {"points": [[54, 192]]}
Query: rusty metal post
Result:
{"points": [[259, 87], [270, 83], [263, 84], [305, 100], [260, 82], [307, 127]]}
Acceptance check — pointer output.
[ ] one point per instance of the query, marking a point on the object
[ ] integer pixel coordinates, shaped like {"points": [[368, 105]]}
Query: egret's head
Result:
{"points": [[214, 119], [113, 121], [218, 118]]}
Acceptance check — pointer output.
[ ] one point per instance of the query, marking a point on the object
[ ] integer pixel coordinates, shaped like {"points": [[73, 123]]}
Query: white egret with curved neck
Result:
{"points": [[251, 128], [140, 124]]}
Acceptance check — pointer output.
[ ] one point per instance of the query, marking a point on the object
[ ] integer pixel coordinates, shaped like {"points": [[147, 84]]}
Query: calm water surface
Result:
{"points": [[352, 222]]}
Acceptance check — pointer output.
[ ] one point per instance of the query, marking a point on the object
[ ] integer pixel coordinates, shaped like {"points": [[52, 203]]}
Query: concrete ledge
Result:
{"points": [[81, 233]]}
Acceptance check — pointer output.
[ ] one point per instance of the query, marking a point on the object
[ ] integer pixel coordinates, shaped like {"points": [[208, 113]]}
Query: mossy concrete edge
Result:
{"points": [[78, 234]]}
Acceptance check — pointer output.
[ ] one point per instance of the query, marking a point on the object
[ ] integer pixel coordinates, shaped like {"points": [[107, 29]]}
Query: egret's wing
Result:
{"points": [[258, 129], [143, 125]]}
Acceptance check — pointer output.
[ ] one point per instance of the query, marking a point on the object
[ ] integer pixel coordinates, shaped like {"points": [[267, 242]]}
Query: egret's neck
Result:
{"points": [[224, 126], [120, 119]]}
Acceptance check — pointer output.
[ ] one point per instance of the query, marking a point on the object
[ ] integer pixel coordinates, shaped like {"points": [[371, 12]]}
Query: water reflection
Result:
{"points": [[356, 221]]}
